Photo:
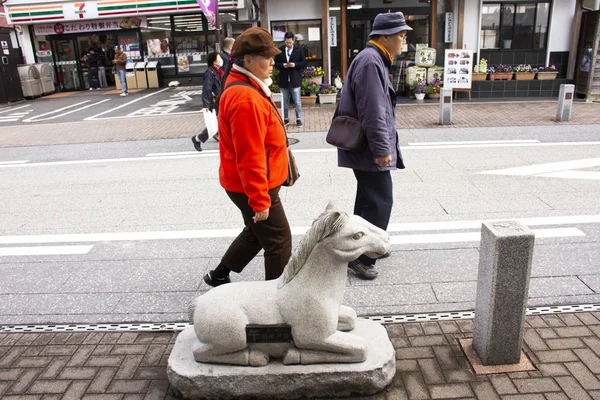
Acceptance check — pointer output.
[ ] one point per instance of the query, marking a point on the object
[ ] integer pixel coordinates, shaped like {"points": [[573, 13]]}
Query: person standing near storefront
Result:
{"points": [[120, 61], [290, 63], [369, 97], [92, 63], [101, 68], [226, 51]]}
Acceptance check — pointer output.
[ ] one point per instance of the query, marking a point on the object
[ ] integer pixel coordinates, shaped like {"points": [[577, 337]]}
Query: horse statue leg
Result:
{"points": [[207, 353], [341, 347], [346, 318]]}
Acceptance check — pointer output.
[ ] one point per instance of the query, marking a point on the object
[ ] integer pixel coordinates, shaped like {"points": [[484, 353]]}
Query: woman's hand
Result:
{"points": [[384, 161], [260, 215]]}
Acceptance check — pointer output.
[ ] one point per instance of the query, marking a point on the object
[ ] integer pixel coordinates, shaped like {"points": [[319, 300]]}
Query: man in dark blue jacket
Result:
{"points": [[369, 97], [290, 63]]}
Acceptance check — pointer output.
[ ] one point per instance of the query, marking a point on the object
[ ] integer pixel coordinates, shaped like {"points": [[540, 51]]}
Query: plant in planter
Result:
{"points": [[433, 89], [480, 71], [314, 74], [308, 92], [546, 73], [501, 72], [327, 93], [419, 86], [524, 72]]}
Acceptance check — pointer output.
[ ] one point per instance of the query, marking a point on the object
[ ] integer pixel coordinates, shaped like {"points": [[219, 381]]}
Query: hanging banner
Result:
{"points": [[332, 31], [209, 8], [61, 28]]}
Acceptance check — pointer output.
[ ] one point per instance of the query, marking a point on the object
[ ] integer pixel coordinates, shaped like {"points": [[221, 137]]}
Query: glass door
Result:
{"points": [[67, 64]]}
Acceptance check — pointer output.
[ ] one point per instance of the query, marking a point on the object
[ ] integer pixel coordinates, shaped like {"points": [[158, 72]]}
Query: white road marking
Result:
{"points": [[300, 230], [491, 145], [6, 119], [180, 153], [562, 169], [476, 236], [38, 118], [13, 162], [93, 117], [472, 142], [13, 109], [44, 250]]}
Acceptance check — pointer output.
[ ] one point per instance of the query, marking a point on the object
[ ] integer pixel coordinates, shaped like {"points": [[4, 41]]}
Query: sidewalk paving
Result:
{"points": [[565, 349], [316, 119]]}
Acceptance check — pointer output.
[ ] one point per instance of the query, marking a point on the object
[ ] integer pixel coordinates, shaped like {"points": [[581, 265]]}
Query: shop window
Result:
{"points": [[308, 36], [130, 45], [192, 52], [512, 25], [189, 23], [43, 49]]}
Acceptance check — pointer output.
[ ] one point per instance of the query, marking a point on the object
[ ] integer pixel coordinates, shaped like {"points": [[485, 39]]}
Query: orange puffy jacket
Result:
{"points": [[252, 143]]}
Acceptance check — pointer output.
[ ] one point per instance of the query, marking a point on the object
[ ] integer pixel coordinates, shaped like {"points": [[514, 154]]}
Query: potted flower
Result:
{"points": [[419, 88], [327, 93], [277, 96], [480, 70], [308, 92], [433, 89], [524, 72], [546, 73], [313, 74], [501, 72]]}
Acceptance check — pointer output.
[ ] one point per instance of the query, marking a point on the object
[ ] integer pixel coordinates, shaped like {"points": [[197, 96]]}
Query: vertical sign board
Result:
{"points": [[332, 31], [458, 69], [449, 31]]}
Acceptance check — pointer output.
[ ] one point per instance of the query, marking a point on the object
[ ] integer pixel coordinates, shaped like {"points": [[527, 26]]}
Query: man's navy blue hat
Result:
{"points": [[388, 24]]}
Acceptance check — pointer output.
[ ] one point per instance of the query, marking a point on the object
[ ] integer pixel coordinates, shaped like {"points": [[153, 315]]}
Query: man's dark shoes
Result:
{"points": [[197, 144], [299, 123], [287, 122], [363, 271], [214, 281]]}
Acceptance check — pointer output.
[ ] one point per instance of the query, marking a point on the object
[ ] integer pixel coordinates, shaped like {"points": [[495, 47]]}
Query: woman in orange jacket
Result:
{"points": [[254, 164]]}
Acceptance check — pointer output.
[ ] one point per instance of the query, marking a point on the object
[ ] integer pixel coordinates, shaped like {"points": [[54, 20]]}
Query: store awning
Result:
{"points": [[38, 11]]}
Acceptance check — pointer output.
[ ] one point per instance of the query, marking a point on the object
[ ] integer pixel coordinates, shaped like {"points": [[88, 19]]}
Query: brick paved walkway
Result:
{"points": [[316, 119], [565, 349]]}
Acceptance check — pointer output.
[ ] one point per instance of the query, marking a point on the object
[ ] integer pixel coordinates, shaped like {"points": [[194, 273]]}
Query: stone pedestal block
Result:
{"points": [[565, 102], [277, 381], [506, 252], [446, 106]]}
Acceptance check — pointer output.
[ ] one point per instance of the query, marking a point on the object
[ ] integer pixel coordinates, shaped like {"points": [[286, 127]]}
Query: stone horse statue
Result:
{"points": [[307, 298]]}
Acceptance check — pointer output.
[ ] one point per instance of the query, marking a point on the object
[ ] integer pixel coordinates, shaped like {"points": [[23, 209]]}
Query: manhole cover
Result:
{"points": [[292, 141]]}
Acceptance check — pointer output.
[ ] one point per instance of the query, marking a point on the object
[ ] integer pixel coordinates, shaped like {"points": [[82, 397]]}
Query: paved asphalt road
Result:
{"points": [[123, 232]]}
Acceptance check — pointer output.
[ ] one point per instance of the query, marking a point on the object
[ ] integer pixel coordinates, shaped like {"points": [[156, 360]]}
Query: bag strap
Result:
{"points": [[248, 84]]}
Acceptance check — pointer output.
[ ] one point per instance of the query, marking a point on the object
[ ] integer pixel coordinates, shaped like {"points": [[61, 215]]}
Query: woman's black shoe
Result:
{"points": [[197, 144], [214, 282]]}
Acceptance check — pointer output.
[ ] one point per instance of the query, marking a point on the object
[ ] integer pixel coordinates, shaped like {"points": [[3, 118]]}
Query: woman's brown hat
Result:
{"points": [[255, 41]]}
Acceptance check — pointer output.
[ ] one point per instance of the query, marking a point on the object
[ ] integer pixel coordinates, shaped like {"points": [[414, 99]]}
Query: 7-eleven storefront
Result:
{"points": [[173, 32]]}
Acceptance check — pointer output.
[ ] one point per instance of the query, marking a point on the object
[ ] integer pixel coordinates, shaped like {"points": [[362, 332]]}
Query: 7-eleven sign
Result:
{"points": [[81, 10]]}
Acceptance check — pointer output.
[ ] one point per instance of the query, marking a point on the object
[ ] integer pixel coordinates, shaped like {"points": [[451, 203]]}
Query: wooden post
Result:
{"points": [[434, 23], [344, 37], [325, 39], [575, 39]]}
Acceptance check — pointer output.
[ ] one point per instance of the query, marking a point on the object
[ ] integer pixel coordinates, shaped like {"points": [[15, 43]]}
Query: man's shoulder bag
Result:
{"points": [[345, 132]]}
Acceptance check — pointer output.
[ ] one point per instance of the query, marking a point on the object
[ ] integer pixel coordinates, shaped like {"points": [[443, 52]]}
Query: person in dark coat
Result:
{"points": [[290, 63], [92, 63], [211, 90], [369, 97], [226, 50]]}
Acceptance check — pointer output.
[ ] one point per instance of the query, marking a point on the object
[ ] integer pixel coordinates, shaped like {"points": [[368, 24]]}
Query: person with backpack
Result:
{"points": [[254, 161], [211, 90]]}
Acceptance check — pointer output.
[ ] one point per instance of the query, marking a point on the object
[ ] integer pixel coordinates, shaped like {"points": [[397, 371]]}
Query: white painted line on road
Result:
{"points": [[123, 105], [55, 111], [13, 109], [539, 169], [146, 116], [476, 236], [179, 153], [44, 250], [13, 162], [299, 230], [591, 175], [6, 119], [482, 146], [37, 117], [473, 142]]}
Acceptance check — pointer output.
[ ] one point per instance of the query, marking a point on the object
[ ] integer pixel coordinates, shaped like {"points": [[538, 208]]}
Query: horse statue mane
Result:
{"points": [[305, 302], [325, 225]]}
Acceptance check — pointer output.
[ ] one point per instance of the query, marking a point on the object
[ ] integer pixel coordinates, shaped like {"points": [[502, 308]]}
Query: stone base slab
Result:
{"points": [[277, 381], [523, 365]]}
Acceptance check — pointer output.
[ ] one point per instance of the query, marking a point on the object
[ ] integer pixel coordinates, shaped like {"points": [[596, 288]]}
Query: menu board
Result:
{"points": [[458, 69]]}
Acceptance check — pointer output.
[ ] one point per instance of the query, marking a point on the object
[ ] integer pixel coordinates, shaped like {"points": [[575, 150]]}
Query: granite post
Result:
{"points": [[446, 106], [506, 252], [565, 102]]}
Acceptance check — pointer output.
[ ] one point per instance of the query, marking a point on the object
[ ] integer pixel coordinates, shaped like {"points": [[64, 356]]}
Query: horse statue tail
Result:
{"points": [[328, 223]]}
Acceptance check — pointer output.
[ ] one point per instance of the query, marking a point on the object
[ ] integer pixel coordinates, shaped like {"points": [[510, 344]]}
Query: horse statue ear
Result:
{"points": [[331, 207]]}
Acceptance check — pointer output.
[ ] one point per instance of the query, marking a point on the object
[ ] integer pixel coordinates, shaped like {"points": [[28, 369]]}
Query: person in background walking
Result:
{"points": [[92, 63], [290, 63], [120, 61], [211, 90], [101, 68], [226, 50], [369, 97], [254, 163]]}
